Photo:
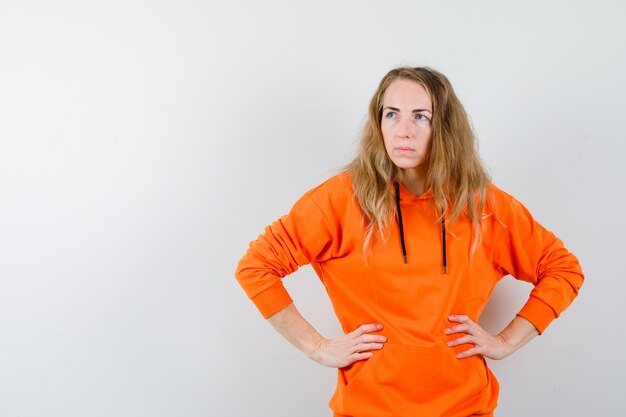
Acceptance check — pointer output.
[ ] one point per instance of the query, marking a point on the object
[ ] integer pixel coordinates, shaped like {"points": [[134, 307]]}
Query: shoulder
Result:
{"points": [[505, 206], [498, 202], [337, 183], [336, 187], [334, 194], [499, 196]]}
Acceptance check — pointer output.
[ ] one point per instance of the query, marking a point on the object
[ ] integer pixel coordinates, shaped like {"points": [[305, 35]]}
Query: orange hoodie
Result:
{"points": [[415, 373]]}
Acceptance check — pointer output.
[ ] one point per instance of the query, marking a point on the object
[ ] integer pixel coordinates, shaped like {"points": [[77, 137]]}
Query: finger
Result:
{"points": [[371, 338], [461, 328], [367, 328], [460, 318], [462, 340], [364, 347], [359, 356], [469, 352]]}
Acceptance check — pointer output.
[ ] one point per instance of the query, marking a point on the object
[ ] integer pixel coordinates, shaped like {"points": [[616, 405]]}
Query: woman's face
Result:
{"points": [[406, 123]]}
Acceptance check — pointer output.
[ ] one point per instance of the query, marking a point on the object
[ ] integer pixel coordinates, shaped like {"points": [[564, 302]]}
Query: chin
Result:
{"points": [[407, 165]]}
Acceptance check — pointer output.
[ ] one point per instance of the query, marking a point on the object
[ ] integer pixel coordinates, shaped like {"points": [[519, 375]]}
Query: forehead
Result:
{"points": [[403, 92]]}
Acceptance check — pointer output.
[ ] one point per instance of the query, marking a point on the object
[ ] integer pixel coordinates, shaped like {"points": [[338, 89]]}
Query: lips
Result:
{"points": [[404, 149]]}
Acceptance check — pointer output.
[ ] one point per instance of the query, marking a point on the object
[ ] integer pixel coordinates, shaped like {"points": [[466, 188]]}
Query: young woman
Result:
{"points": [[410, 241]]}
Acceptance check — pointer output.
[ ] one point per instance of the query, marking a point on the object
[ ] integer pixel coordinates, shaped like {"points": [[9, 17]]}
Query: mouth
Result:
{"points": [[404, 149]]}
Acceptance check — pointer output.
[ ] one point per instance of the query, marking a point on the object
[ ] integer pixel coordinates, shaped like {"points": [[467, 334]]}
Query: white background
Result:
{"points": [[144, 144]]}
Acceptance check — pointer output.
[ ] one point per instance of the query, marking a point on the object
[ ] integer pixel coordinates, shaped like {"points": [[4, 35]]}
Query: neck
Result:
{"points": [[414, 180]]}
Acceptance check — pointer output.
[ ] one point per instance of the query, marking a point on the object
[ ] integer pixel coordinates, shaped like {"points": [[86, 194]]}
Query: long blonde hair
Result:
{"points": [[455, 174]]}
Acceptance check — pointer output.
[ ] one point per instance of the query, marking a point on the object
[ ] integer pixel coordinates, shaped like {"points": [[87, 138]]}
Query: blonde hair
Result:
{"points": [[455, 174]]}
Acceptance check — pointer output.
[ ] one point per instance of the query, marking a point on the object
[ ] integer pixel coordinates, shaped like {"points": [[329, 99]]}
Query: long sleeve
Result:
{"points": [[530, 252], [298, 238]]}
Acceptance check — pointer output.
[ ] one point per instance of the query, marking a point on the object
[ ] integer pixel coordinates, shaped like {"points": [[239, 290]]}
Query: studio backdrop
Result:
{"points": [[144, 144]]}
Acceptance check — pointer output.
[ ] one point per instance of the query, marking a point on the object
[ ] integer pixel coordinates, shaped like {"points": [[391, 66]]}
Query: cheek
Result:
{"points": [[386, 136], [426, 134]]}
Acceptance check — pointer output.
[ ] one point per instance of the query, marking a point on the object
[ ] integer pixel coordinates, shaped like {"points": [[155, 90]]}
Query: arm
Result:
{"points": [[529, 252], [306, 234], [337, 353], [298, 238]]}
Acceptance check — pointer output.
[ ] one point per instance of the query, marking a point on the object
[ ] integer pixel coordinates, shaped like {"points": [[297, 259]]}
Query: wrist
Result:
{"points": [[312, 350], [519, 332], [507, 346]]}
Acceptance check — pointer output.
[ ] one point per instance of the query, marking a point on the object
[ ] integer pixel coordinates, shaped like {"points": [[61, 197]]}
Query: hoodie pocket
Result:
{"points": [[360, 370], [424, 374], [408, 376]]}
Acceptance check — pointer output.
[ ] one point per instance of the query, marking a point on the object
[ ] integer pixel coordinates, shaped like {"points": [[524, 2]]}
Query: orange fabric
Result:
{"points": [[473, 415], [416, 373]]}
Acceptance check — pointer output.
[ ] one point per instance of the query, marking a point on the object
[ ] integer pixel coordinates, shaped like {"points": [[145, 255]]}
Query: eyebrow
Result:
{"points": [[414, 110]]}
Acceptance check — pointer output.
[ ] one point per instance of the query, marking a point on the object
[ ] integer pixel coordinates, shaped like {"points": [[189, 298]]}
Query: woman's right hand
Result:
{"points": [[352, 347]]}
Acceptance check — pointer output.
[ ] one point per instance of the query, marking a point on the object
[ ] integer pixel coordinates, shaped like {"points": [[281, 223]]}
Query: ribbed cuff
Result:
{"points": [[538, 313], [272, 300]]}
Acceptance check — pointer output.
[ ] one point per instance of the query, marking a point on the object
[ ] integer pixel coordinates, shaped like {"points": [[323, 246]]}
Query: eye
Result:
{"points": [[421, 117], [390, 115]]}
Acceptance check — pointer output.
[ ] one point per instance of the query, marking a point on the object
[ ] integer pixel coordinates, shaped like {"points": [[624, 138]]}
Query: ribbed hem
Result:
{"points": [[473, 415], [272, 300], [538, 313]]}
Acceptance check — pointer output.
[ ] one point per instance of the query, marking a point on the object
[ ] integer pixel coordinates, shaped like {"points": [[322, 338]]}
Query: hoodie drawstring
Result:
{"points": [[396, 185], [443, 241]]}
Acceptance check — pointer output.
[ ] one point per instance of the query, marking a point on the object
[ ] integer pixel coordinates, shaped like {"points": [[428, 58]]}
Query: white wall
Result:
{"points": [[143, 144]]}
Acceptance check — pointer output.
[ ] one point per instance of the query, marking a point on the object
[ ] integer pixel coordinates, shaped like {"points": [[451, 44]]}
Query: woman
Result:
{"points": [[410, 241]]}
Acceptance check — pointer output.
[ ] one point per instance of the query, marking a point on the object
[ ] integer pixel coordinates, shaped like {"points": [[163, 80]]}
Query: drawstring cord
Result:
{"points": [[443, 245], [396, 186]]}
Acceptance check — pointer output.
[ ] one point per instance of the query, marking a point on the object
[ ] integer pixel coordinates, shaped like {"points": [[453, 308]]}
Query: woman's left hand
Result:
{"points": [[486, 344]]}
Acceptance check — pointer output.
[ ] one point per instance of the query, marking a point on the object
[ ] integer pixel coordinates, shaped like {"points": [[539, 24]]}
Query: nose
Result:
{"points": [[404, 127]]}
